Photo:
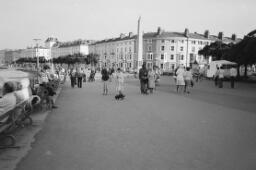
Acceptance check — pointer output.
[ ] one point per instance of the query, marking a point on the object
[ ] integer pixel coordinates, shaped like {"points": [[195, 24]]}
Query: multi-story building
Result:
{"points": [[116, 52], [67, 48], [2, 56], [35, 52], [164, 49]]}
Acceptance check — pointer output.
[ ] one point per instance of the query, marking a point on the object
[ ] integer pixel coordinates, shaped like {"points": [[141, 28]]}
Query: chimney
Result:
{"points": [[122, 35], [207, 34], [233, 37], [159, 31], [220, 36], [186, 32], [130, 34]]}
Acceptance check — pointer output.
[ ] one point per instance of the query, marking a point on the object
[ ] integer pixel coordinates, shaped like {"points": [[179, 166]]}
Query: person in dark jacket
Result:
{"points": [[105, 78], [143, 76]]}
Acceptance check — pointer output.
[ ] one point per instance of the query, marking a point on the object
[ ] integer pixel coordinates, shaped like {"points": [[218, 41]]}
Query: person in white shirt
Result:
{"points": [[233, 74], [120, 82], [180, 78], [8, 101]]}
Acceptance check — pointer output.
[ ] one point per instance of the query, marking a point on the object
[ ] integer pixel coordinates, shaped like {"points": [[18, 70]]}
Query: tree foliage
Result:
{"points": [[217, 50], [31, 60], [244, 52]]}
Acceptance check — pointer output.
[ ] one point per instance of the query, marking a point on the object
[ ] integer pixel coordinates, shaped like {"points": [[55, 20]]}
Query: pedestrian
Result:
{"points": [[79, 77], [105, 78], [180, 83], [119, 84], [188, 80], [157, 81], [143, 76], [216, 76], [221, 77], [233, 74], [72, 77], [151, 80]]}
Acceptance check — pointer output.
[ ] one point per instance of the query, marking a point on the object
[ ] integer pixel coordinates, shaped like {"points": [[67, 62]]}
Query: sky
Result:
{"points": [[24, 20]]}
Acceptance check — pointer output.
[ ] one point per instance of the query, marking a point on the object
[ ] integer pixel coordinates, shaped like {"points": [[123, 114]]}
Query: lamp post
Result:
{"points": [[37, 57]]}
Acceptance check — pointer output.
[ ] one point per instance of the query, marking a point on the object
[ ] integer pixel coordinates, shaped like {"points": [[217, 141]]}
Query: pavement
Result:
{"points": [[208, 129]]}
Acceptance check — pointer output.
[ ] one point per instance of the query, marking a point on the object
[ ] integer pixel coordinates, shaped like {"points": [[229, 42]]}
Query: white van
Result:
{"points": [[212, 67]]}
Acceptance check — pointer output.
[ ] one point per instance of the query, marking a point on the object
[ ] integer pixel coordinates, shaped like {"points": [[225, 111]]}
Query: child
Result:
{"points": [[119, 84]]}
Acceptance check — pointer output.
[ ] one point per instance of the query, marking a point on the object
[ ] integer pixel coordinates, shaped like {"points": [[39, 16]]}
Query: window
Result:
{"points": [[172, 57], [172, 66], [181, 48], [172, 48], [162, 56], [162, 48], [149, 48], [150, 56], [191, 57], [172, 41], [193, 42], [130, 49], [162, 41], [182, 57], [150, 41], [193, 49], [182, 41]]}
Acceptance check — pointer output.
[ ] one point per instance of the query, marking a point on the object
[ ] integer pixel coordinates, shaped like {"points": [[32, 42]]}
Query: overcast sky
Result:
{"points": [[23, 20]]}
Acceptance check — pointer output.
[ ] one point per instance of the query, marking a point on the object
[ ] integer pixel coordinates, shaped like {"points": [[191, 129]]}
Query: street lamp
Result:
{"points": [[37, 58]]}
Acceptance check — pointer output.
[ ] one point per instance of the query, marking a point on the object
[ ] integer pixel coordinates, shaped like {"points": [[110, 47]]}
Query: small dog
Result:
{"points": [[119, 97]]}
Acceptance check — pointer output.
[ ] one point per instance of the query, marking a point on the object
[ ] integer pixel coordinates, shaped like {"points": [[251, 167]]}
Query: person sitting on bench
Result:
{"points": [[8, 101]]}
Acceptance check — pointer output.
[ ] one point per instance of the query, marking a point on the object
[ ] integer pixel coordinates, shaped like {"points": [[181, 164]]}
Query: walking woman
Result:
{"points": [[120, 83], [180, 83], [105, 78], [151, 80]]}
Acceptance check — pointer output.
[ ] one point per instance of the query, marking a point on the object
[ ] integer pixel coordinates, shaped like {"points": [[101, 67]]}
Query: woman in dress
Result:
{"points": [[180, 83], [151, 80]]}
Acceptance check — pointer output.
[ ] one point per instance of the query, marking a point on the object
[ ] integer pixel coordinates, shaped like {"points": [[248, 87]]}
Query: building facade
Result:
{"points": [[58, 49], [35, 52], [164, 49], [116, 52]]}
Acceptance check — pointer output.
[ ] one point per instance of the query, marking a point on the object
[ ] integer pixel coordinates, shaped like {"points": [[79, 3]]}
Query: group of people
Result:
{"points": [[107, 75], [148, 79], [184, 79], [78, 76], [220, 75], [46, 76]]}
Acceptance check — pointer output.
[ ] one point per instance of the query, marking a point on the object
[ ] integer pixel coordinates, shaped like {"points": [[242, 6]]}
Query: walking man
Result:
{"points": [[233, 74], [143, 76]]}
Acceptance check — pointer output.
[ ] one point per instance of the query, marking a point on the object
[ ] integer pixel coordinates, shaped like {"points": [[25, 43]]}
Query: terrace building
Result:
{"points": [[164, 49], [58, 49]]}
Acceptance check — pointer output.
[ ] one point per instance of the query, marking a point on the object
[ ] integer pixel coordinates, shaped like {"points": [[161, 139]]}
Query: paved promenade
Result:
{"points": [[209, 129]]}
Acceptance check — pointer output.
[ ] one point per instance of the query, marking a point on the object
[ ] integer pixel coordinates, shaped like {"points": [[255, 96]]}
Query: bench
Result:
{"points": [[19, 116]]}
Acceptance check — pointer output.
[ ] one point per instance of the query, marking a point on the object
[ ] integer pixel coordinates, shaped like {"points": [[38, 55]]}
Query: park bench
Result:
{"points": [[17, 117]]}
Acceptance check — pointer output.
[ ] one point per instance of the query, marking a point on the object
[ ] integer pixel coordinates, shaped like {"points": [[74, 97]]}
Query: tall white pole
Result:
{"points": [[139, 45], [37, 58]]}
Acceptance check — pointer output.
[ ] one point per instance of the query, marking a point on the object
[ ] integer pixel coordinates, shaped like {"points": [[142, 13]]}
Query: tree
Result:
{"points": [[216, 50], [70, 59], [244, 52], [92, 59]]}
